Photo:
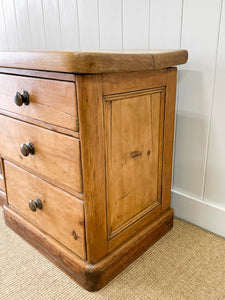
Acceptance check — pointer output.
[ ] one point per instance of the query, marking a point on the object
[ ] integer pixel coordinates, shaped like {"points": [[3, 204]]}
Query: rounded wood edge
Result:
{"points": [[90, 62], [115, 262], [90, 277]]}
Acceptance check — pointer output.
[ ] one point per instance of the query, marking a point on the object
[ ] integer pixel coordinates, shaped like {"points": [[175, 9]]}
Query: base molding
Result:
{"points": [[200, 213], [91, 277]]}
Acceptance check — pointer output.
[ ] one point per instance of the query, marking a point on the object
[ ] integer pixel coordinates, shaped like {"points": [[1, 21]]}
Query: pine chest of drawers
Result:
{"points": [[86, 152]]}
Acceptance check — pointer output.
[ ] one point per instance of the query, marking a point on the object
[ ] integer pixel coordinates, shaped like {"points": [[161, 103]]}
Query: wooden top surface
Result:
{"points": [[93, 61]]}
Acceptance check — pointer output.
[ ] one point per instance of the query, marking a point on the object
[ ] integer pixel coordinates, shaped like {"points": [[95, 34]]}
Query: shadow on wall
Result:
{"points": [[191, 135]]}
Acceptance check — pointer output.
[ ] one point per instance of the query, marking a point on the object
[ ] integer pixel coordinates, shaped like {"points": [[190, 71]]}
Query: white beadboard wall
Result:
{"points": [[198, 192]]}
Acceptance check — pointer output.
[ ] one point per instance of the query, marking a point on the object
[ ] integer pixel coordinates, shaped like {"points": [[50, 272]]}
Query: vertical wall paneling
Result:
{"points": [[38, 38], [52, 24], [207, 215], [215, 168], [165, 24], [166, 27], [88, 24], [11, 24], [135, 24], [69, 25], [23, 24], [199, 36], [110, 20], [3, 36]]}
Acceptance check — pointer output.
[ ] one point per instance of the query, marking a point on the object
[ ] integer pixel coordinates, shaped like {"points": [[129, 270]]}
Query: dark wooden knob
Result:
{"points": [[20, 99], [27, 149], [33, 205]]}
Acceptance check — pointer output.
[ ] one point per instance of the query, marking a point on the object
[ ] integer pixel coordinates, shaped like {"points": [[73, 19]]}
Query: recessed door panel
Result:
{"points": [[133, 144]]}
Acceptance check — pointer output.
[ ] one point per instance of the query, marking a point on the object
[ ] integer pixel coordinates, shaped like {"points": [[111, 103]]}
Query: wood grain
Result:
{"points": [[2, 198], [133, 142], [56, 158], [115, 83], [2, 185], [168, 137], [130, 229], [39, 74], [40, 123], [115, 262], [51, 101], [90, 107], [93, 62], [51, 218], [133, 108], [91, 277], [104, 138], [45, 244]]}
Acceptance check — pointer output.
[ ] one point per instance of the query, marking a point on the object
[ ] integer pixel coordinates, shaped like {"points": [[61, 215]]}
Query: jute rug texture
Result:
{"points": [[187, 263]]}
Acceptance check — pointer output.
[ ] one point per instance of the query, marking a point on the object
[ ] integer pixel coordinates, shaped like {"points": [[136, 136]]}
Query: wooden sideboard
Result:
{"points": [[86, 147]]}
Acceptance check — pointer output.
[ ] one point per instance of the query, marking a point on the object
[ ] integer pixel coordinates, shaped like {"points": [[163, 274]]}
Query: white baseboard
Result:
{"points": [[200, 213]]}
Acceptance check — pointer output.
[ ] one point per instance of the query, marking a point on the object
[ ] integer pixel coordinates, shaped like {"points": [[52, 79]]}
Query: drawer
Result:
{"points": [[61, 216], [56, 157], [50, 101]]}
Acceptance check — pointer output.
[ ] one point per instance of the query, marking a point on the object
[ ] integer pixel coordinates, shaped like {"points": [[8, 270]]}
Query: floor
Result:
{"points": [[187, 263]]}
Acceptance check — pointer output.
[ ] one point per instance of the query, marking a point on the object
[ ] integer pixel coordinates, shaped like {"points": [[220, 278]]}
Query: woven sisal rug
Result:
{"points": [[187, 263]]}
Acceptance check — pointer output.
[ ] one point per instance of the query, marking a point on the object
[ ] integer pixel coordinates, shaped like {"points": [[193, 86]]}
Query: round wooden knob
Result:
{"points": [[20, 99], [33, 205], [27, 149]]}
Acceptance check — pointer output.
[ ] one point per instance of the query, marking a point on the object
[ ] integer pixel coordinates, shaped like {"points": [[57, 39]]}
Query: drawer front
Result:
{"points": [[50, 101], [61, 216], [56, 157]]}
